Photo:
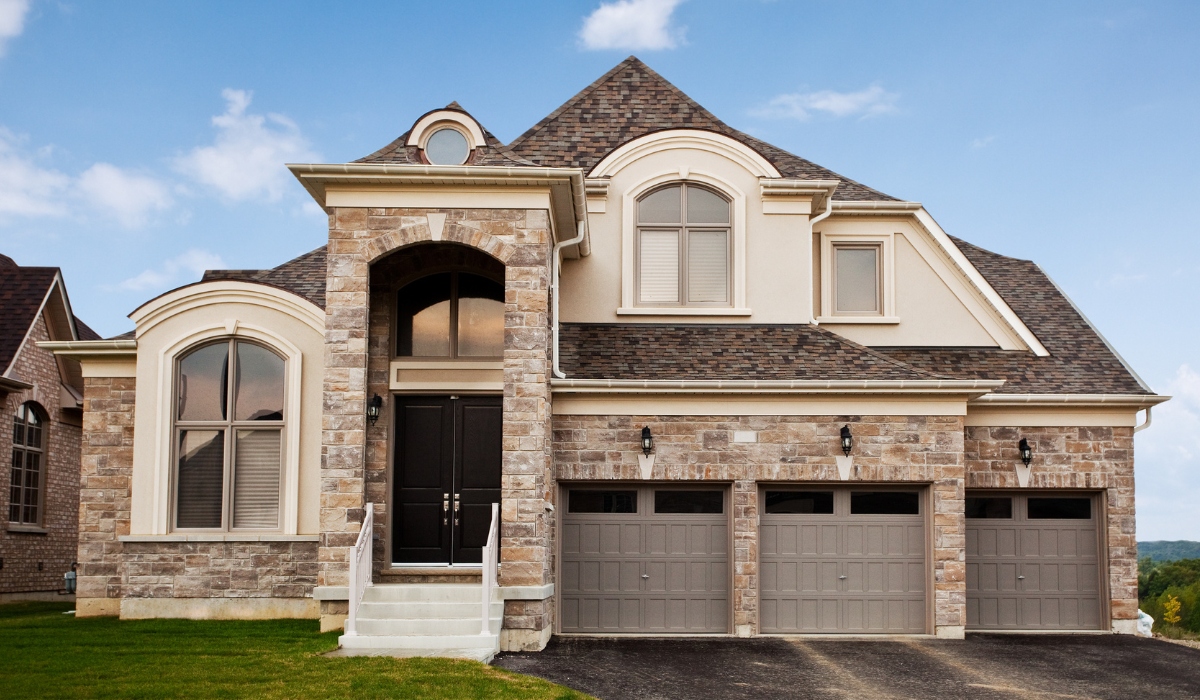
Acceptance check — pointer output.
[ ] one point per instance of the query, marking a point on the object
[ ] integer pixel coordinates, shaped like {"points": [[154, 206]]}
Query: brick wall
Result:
{"points": [[353, 459], [1091, 458], [893, 449], [54, 549]]}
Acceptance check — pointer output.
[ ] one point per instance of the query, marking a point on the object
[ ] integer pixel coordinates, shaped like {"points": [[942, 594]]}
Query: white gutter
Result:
{"points": [[1115, 400], [75, 348], [1149, 418], [556, 263], [774, 386]]}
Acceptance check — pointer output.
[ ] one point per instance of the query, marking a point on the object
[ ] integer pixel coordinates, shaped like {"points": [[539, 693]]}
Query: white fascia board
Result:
{"points": [[971, 387], [315, 177], [1079, 400], [91, 348]]}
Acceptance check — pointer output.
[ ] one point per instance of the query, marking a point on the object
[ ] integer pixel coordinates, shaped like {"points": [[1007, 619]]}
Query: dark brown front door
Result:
{"points": [[446, 476]]}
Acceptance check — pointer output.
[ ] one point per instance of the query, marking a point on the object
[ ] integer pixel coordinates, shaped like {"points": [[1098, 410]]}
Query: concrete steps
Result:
{"points": [[425, 619]]}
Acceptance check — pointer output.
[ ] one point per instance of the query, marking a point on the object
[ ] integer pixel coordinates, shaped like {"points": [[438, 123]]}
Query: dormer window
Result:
{"points": [[683, 247], [447, 146]]}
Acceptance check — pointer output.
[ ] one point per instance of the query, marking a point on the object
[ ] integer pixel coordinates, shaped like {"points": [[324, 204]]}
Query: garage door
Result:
{"points": [[645, 561], [842, 560], [1032, 562]]}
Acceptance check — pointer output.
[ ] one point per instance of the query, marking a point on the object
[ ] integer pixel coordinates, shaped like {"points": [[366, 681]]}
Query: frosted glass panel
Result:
{"points": [[705, 207], [259, 384], [708, 266], [447, 147], [658, 274], [424, 318], [857, 277], [203, 381], [201, 483], [661, 207], [256, 472]]}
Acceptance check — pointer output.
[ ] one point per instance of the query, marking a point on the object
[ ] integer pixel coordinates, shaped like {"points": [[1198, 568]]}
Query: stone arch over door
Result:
{"points": [[358, 239]]}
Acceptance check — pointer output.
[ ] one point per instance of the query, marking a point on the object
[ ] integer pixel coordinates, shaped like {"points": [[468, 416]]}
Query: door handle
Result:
{"points": [[841, 578], [445, 508], [1020, 578], [645, 575], [456, 506]]}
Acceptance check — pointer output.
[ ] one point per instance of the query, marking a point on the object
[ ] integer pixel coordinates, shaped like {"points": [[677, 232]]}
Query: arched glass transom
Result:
{"points": [[27, 492], [228, 437], [683, 247], [451, 314]]}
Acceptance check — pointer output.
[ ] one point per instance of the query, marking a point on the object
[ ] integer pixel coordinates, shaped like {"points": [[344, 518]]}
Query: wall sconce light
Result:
{"points": [[847, 440], [647, 441], [374, 406], [1026, 451]]}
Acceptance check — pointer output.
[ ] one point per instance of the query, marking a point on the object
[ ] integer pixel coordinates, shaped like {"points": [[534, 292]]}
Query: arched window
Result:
{"points": [[451, 314], [683, 247], [229, 422], [28, 466]]}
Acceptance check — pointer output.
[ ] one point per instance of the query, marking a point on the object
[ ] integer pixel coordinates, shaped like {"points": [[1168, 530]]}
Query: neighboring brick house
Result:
{"points": [[41, 397], [713, 388]]}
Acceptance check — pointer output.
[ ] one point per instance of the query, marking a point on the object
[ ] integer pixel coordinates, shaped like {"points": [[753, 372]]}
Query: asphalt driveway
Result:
{"points": [[983, 666]]}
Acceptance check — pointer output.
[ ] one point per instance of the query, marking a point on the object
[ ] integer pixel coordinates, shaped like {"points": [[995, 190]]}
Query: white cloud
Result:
{"points": [[982, 142], [27, 189], [12, 20], [192, 262], [1168, 464], [128, 197], [870, 102], [632, 25], [246, 159]]}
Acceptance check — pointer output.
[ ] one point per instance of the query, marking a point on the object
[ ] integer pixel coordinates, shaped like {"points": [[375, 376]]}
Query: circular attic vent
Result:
{"points": [[447, 146]]}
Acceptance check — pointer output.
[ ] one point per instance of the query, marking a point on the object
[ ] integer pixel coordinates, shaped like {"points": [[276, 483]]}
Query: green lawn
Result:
{"points": [[44, 653]]}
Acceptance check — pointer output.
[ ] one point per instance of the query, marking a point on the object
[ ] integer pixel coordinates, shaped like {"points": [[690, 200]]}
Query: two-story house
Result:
{"points": [[712, 387], [41, 397]]}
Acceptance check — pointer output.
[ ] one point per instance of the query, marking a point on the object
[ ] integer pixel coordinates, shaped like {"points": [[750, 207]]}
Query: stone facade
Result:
{"points": [[35, 559], [1083, 458], [887, 449], [351, 456]]}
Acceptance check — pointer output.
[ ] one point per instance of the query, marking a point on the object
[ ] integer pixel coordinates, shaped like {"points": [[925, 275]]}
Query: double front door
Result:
{"points": [[445, 477]]}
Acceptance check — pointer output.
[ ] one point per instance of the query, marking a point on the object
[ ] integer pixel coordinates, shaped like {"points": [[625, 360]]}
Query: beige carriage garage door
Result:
{"points": [[645, 560], [1032, 562], [846, 560]]}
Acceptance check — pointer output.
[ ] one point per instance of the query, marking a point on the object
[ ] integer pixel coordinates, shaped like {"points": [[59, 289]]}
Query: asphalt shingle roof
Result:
{"points": [[303, 276], [491, 153]]}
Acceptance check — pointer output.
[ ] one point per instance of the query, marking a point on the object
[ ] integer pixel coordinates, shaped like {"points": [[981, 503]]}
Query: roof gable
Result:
{"points": [[22, 292], [630, 101], [493, 152]]}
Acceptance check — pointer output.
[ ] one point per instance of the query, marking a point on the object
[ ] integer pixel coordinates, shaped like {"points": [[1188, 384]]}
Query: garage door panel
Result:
{"points": [[640, 571], [1049, 580]]}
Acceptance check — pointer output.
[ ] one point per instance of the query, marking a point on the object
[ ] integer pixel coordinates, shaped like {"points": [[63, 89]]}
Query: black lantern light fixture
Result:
{"points": [[1026, 451], [374, 406], [847, 440], [647, 441]]}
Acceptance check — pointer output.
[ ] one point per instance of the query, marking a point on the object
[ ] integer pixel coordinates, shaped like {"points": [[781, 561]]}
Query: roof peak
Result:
{"points": [[6, 261]]}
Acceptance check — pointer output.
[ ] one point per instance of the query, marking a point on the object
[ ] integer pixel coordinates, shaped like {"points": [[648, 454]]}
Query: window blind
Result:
{"points": [[256, 470], [708, 266], [201, 478], [658, 271]]}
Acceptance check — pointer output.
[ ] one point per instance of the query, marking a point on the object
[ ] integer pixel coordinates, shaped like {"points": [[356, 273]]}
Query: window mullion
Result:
{"points": [[683, 265], [453, 315], [227, 505]]}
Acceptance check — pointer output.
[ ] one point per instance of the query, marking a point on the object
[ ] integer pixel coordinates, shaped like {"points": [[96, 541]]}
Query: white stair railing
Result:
{"points": [[360, 568], [491, 552]]}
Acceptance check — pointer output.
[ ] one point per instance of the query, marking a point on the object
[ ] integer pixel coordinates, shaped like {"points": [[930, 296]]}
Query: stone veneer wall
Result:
{"points": [[353, 458], [1092, 458], [36, 561], [893, 449]]}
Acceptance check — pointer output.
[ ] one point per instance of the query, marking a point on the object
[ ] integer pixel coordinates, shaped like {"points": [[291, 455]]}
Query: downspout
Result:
{"points": [[556, 264], [816, 220], [1143, 426]]}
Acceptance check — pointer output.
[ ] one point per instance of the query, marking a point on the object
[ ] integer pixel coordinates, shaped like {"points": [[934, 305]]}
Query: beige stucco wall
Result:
{"points": [[154, 344]]}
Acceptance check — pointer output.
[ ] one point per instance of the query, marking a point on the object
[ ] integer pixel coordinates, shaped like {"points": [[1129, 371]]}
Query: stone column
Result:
{"points": [[745, 558]]}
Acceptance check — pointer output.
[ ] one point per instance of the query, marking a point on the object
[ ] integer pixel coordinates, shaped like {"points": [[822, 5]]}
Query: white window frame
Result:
{"points": [[164, 467], [885, 242], [737, 257]]}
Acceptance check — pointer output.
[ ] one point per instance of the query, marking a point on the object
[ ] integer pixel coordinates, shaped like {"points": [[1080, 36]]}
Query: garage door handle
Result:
{"points": [[645, 575], [1020, 578], [841, 578]]}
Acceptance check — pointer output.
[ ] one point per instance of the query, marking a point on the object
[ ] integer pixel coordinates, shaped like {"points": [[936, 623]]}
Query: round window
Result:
{"points": [[447, 147]]}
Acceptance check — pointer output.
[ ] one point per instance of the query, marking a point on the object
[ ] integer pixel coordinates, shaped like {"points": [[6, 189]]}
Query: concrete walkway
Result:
{"points": [[983, 666]]}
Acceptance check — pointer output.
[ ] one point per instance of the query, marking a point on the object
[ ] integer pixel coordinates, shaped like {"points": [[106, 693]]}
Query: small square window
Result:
{"points": [[856, 279]]}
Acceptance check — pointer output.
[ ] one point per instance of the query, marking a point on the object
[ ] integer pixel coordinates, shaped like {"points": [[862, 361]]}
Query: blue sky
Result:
{"points": [[141, 142]]}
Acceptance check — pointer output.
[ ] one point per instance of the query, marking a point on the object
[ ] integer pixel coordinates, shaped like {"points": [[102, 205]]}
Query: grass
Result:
{"points": [[45, 653]]}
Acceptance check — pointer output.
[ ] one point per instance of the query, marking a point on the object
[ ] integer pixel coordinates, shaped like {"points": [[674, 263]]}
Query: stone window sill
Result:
{"points": [[218, 537], [27, 529]]}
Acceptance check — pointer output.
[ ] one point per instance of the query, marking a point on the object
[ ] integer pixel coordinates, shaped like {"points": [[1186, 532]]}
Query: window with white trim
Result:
{"points": [[683, 247], [228, 437], [27, 490], [857, 279]]}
